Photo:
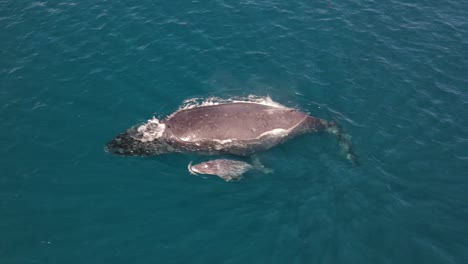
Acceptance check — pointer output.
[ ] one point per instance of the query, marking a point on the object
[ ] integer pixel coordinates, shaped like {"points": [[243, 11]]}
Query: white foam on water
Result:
{"points": [[151, 130], [253, 99], [192, 171]]}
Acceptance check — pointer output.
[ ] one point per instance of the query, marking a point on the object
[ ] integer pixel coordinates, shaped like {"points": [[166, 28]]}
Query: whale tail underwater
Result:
{"points": [[343, 139], [239, 128]]}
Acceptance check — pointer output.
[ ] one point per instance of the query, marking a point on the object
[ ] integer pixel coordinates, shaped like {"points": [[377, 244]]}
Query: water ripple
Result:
{"points": [[393, 74]]}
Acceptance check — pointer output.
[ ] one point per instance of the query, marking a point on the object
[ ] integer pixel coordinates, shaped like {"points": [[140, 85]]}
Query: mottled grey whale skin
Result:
{"points": [[226, 169], [228, 128]]}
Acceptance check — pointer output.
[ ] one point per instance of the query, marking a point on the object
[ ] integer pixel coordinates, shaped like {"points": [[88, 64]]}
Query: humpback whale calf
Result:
{"points": [[233, 127], [226, 169]]}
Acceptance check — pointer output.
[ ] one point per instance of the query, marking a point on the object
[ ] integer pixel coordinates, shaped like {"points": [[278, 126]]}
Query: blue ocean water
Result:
{"points": [[73, 74]]}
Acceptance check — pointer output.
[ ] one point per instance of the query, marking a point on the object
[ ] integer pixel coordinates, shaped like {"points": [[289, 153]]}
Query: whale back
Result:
{"points": [[232, 121], [236, 128]]}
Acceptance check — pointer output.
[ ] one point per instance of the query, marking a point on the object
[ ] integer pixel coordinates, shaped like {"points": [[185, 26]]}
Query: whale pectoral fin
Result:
{"points": [[266, 170], [259, 166], [231, 176]]}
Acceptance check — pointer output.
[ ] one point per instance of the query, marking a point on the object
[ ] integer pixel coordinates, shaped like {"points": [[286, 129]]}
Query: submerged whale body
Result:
{"points": [[237, 128]]}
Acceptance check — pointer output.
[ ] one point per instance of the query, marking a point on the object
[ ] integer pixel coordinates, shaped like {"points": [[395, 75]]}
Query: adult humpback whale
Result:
{"points": [[238, 128]]}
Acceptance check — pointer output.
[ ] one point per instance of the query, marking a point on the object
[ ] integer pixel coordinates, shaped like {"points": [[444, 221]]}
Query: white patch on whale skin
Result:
{"points": [[150, 131], [280, 132], [186, 139], [224, 141], [274, 133], [277, 132], [196, 141]]}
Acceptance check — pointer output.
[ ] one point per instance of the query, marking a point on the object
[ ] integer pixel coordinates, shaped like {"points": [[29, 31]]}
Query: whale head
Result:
{"points": [[135, 142]]}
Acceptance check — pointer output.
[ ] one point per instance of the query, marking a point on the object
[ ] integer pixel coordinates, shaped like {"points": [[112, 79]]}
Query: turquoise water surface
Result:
{"points": [[73, 74]]}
